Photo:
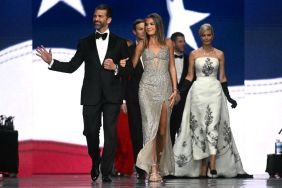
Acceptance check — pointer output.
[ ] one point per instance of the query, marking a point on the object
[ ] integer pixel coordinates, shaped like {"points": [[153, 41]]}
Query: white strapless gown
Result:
{"points": [[205, 127]]}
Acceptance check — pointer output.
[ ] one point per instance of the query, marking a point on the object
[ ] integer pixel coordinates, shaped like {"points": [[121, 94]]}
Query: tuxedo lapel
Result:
{"points": [[110, 45], [185, 68], [93, 47]]}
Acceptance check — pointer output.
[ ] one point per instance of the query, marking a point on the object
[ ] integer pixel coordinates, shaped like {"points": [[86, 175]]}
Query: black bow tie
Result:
{"points": [[99, 35], [178, 56]]}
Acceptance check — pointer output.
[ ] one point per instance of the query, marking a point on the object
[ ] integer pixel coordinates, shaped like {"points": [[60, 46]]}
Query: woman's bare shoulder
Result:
{"points": [[218, 52], [195, 53], [168, 43]]}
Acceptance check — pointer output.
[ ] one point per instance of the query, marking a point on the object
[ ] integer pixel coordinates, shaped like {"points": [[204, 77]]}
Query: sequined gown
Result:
{"points": [[205, 127], [154, 90]]}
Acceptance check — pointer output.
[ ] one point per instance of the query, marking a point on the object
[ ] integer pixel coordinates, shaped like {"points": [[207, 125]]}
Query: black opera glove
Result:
{"points": [[185, 86], [226, 92]]}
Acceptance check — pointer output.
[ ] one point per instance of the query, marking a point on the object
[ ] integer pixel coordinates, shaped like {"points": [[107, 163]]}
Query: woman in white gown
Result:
{"points": [[205, 145]]}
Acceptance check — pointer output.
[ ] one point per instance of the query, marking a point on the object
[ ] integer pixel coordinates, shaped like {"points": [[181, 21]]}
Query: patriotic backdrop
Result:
{"points": [[46, 103]]}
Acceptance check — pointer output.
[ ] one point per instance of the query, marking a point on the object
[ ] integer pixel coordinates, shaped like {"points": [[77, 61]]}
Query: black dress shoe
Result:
{"points": [[140, 176], [244, 176], [95, 172], [106, 179]]}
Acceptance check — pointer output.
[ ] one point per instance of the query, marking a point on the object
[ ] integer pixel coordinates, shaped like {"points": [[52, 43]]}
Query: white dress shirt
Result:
{"points": [[102, 46]]}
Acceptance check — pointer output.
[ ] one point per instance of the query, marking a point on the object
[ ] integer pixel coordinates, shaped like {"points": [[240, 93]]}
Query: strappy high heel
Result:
{"points": [[155, 175]]}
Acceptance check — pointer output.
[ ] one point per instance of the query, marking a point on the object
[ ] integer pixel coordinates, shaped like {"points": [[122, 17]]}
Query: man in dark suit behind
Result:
{"points": [[102, 90], [181, 64], [131, 102]]}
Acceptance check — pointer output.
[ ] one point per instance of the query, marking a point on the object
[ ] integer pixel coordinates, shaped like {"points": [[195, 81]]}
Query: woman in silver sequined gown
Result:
{"points": [[205, 144], [157, 92]]}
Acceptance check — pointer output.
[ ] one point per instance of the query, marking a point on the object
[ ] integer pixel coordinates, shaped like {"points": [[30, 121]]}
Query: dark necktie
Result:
{"points": [[178, 56], [99, 35]]}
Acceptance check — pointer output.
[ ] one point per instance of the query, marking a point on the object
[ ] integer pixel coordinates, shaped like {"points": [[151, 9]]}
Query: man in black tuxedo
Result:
{"points": [[181, 64], [102, 89], [131, 102]]}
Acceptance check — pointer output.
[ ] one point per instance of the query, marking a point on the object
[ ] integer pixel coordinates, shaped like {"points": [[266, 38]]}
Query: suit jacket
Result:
{"points": [[132, 82], [98, 83], [184, 70]]}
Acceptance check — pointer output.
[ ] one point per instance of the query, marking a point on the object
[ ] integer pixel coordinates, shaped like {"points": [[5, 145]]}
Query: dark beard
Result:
{"points": [[98, 26]]}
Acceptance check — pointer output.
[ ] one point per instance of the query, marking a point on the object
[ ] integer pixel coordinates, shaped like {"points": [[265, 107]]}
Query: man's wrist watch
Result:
{"points": [[116, 70]]}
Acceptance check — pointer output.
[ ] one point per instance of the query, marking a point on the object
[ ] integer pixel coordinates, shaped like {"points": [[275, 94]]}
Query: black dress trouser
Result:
{"points": [[92, 124]]}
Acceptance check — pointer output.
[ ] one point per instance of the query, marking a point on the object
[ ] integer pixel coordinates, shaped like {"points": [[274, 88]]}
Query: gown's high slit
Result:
{"points": [[154, 91]]}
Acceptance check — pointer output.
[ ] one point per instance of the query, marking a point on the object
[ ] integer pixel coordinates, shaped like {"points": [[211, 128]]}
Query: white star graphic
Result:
{"points": [[181, 20], [47, 4]]}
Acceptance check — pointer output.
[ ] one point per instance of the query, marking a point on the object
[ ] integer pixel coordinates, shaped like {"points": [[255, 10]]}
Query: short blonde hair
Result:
{"points": [[206, 27]]}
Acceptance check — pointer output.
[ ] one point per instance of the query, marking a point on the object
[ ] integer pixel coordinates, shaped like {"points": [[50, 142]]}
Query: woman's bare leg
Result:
{"points": [[212, 162], [161, 136], [159, 145], [203, 168]]}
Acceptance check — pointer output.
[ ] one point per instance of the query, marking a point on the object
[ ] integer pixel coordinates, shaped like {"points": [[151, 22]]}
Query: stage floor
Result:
{"points": [[42, 181]]}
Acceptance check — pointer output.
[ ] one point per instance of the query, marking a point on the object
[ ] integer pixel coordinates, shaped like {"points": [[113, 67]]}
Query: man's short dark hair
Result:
{"points": [[105, 7], [175, 35], [136, 22]]}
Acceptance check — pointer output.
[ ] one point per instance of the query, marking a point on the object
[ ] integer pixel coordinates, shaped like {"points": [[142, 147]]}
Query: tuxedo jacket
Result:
{"points": [[98, 83], [184, 70], [132, 82]]}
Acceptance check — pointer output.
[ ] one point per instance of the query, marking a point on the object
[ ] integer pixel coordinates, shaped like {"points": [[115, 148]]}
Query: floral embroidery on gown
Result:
{"points": [[154, 90], [205, 127]]}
